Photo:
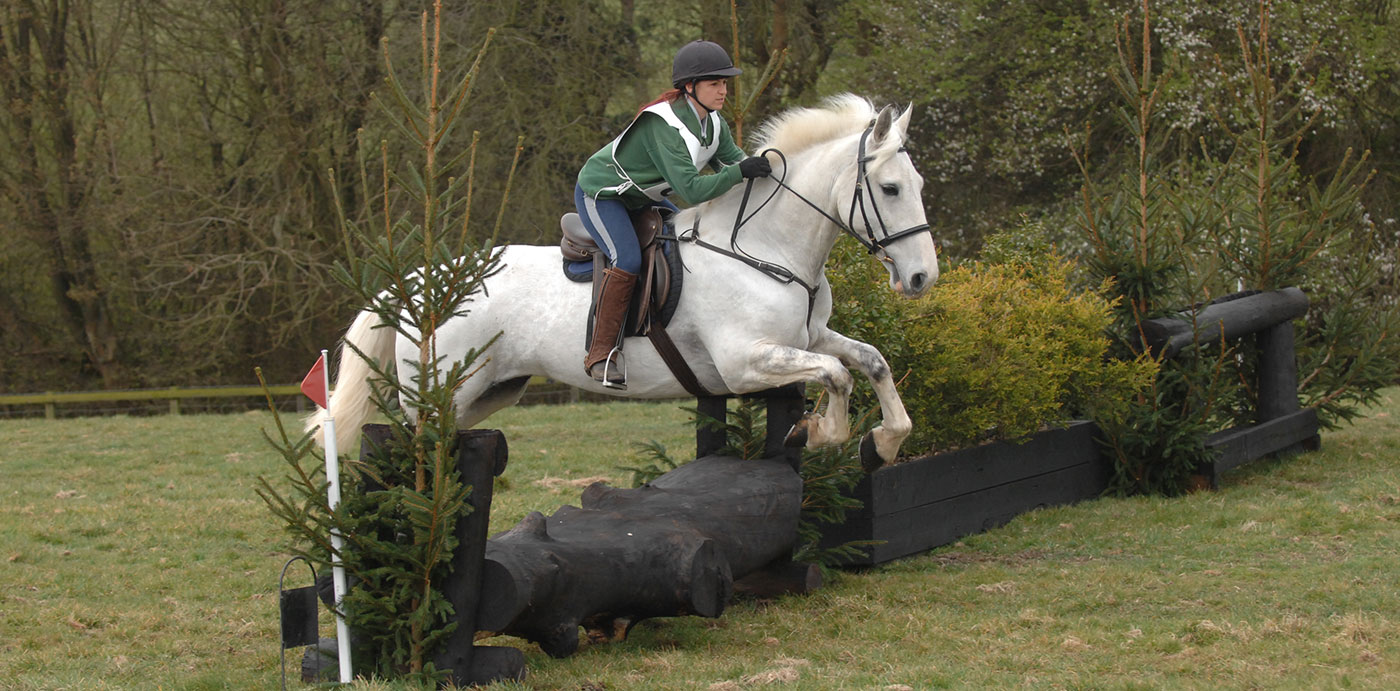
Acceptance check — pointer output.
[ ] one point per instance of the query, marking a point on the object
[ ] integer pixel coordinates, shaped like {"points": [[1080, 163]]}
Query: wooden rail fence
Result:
{"points": [[51, 400], [541, 390]]}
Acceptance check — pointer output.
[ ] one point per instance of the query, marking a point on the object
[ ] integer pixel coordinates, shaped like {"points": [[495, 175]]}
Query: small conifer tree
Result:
{"points": [[419, 267], [1168, 236]]}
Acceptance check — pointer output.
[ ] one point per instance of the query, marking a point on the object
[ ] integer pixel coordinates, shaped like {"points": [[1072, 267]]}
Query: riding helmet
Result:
{"points": [[701, 60]]}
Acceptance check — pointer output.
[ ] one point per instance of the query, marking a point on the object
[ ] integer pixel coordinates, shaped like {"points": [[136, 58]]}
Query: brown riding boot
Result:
{"points": [[604, 359]]}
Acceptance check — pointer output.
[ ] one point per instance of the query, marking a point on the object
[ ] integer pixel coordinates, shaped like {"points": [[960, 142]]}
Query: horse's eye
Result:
{"points": [[891, 190]]}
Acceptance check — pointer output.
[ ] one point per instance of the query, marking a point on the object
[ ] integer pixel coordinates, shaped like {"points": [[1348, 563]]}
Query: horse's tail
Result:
{"points": [[351, 403]]}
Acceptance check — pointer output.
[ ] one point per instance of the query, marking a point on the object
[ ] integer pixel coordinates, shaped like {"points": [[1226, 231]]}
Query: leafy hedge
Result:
{"points": [[998, 350]]}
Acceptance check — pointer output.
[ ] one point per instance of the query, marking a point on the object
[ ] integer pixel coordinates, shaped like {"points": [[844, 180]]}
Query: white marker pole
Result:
{"points": [[342, 631]]}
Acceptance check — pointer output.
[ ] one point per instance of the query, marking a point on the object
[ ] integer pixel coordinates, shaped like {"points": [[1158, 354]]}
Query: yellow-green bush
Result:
{"points": [[995, 351]]}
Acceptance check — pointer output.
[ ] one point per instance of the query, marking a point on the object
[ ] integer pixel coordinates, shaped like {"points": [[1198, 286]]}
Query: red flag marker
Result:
{"points": [[314, 385]]}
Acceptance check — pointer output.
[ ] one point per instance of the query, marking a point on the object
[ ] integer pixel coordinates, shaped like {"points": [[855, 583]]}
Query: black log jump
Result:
{"points": [[680, 545], [671, 547], [1280, 425]]}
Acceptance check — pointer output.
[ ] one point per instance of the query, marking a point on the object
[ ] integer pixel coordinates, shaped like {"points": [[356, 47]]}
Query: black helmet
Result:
{"points": [[700, 60]]}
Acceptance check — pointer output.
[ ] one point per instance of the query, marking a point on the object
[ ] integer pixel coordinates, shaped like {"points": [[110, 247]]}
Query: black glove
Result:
{"points": [[755, 167]]}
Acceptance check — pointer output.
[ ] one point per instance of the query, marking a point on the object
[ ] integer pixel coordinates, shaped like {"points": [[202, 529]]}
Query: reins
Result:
{"points": [[783, 274]]}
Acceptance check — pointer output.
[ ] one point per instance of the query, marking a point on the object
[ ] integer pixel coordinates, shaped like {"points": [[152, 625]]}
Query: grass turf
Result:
{"points": [[135, 555]]}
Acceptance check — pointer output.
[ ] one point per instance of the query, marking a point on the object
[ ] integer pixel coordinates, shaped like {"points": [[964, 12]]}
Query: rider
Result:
{"points": [[661, 152]]}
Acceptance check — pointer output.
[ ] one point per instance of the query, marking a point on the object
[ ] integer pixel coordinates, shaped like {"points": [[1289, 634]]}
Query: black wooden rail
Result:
{"points": [[1281, 426], [932, 501]]}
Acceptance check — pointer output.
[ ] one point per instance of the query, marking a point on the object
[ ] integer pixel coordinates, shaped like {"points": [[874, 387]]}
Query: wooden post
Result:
{"points": [[1278, 384], [709, 441], [1278, 372], [786, 406], [481, 456]]}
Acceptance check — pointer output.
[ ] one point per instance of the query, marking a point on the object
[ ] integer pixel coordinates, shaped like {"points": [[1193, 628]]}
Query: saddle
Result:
{"points": [[655, 298], [659, 282]]}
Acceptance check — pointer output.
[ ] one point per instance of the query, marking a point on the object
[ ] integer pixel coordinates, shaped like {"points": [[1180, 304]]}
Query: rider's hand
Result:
{"points": [[755, 167]]}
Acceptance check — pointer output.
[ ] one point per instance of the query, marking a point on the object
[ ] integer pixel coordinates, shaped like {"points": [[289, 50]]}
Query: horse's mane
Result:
{"points": [[797, 129]]}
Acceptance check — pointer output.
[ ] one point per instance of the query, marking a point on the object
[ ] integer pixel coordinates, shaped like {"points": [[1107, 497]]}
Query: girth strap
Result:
{"points": [[674, 360]]}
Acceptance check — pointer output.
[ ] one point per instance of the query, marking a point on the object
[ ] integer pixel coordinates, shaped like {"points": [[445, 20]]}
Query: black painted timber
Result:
{"points": [[933, 525], [932, 501], [481, 456], [1229, 318], [1296, 431], [784, 406]]}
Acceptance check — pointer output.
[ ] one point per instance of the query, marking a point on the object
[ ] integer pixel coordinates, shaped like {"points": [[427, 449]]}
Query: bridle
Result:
{"points": [[874, 245], [871, 243]]}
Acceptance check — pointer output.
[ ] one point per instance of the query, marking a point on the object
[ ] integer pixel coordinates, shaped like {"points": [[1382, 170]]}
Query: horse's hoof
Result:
{"points": [[870, 460], [797, 436]]}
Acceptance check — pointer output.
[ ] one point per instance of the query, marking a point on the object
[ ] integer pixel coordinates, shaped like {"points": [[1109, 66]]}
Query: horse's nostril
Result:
{"points": [[918, 281]]}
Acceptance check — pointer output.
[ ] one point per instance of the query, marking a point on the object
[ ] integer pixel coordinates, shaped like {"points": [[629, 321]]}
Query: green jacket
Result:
{"points": [[651, 151]]}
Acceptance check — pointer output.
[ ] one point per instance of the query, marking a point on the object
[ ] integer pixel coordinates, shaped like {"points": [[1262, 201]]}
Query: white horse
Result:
{"points": [[740, 330]]}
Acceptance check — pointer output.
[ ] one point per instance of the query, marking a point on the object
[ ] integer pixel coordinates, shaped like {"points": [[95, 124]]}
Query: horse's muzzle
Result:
{"points": [[919, 284], [915, 286]]}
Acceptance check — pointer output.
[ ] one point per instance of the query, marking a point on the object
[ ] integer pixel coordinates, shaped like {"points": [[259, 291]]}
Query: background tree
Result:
{"points": [[55, 66], [999, 86], [166, 215]]}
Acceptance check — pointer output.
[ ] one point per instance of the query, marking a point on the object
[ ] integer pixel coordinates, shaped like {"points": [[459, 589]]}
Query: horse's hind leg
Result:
{"points": [[882, 444], [772, 365]]}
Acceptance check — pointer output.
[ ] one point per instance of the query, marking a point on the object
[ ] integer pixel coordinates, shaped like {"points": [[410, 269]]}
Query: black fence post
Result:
{"points": [[708, 440], [786, 406], [481, 456]]}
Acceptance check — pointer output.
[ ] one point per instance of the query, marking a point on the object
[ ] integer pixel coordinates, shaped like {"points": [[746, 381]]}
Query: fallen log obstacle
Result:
{"points": [[671, 547], [679, 545], [682, 544]]}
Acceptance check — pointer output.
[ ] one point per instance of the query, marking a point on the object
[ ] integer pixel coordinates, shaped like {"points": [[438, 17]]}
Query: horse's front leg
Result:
{"points": [[770, 365], [882, 444]]}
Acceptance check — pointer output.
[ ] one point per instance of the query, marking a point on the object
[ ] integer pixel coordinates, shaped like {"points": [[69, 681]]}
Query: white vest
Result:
{"points": [[700, 154]]}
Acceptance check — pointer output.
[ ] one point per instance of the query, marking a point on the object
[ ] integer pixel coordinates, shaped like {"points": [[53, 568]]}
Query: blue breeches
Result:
{"points": [[610, 224]]}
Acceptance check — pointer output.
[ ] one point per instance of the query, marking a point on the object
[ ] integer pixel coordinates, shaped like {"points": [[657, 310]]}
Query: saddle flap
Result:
{"points": [[647, 223]]}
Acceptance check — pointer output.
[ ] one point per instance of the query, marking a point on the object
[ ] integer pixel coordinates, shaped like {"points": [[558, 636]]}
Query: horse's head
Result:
{"points": [[887, 209]]}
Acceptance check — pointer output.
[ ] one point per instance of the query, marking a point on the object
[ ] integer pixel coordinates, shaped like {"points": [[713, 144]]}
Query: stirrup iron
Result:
{"points": [[607, 364]]}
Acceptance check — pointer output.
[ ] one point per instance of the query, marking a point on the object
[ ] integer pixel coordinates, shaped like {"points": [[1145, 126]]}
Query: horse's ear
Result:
{"points": [[902, 124], [883, 122]]}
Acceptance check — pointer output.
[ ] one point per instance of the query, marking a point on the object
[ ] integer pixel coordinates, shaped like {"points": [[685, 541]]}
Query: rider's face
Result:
{"points": [[712, 92]]}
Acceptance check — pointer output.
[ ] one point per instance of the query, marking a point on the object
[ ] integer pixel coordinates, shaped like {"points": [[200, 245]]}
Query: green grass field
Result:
{"points": [[134, 554]]}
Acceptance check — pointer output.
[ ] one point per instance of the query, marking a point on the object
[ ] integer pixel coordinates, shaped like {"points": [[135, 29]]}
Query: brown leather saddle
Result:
{"points": [[659, 283], [654, 300]]}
